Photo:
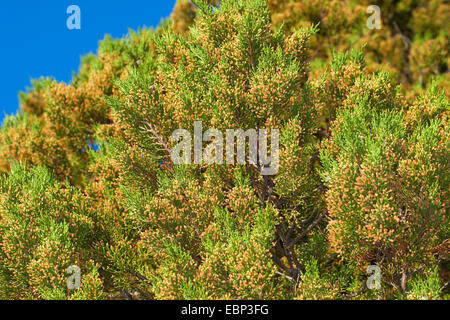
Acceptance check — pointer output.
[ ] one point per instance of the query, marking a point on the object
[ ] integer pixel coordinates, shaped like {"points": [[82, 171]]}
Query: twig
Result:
{"points": [[408, 44], [307, 230], [358, 293], [285, 276], [250, 49], [149, 127]]}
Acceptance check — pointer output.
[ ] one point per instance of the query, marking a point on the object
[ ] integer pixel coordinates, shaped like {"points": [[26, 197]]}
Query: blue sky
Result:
{"points": [[35, 40]]}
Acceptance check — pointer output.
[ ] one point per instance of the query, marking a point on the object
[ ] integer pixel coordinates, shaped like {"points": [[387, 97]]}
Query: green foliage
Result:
{"points": [[426, 287], [45, 228], [387, 188], [363, 171]]}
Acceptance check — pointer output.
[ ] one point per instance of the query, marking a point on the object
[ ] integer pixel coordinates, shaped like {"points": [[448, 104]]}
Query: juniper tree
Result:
{"points": [[387, 179], [362, 178], [230, 71], [412, 42], [45, 228]]}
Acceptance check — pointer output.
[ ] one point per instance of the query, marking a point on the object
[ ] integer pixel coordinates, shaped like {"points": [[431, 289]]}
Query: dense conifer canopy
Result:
{"points": [[87, 177]]}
